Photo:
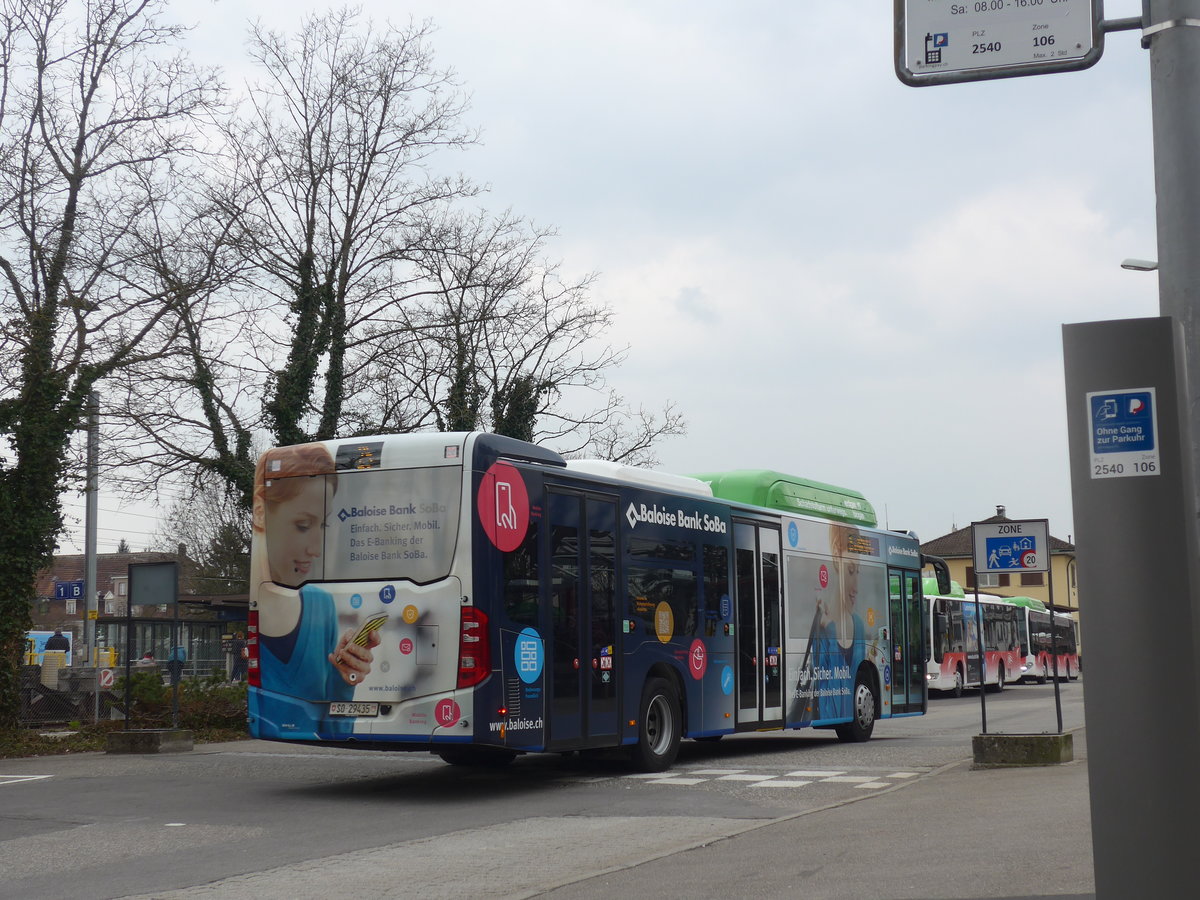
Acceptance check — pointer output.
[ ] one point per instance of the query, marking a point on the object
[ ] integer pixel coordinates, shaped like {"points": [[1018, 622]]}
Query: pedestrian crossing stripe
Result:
{"points": [[793, 779]]}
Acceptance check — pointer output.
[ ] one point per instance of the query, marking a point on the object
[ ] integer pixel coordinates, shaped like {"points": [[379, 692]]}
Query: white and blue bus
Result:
{"points": [[480, 597]]}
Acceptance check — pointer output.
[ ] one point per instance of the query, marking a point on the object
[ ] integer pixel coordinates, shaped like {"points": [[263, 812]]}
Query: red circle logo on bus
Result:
{"points": [[447, 712], [697, 659], [406, 646], [823, 576], [503, 504]]}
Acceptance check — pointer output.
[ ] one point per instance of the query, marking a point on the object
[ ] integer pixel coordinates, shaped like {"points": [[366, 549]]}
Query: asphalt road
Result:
{"points": [[270, 820]]}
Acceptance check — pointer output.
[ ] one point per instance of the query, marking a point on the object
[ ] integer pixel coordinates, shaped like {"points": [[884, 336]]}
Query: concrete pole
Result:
{"points": [[1172, 34], [89, 528]]}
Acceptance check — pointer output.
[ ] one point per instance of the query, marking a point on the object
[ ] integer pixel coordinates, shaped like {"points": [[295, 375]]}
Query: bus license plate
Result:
{"points": [[354, 709]]}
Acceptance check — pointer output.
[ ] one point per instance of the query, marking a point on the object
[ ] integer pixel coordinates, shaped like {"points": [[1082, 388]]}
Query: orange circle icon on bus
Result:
{"points": [[664, 621], [410, 614]]}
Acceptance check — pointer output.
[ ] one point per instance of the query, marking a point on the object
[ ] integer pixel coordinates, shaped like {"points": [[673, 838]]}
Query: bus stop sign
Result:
{"points": [[1015, 546], [947, 41]]}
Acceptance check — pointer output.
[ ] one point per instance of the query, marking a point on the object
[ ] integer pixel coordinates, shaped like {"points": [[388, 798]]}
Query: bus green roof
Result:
{"points": [[1030, 602], [929, 587], [790, 494]]}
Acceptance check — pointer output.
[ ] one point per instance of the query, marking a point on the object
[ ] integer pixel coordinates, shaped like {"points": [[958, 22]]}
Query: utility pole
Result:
{"points": [[89, 529], [1171, 32]]}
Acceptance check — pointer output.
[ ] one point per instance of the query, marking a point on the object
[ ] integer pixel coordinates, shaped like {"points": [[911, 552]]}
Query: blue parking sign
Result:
{"points": [[1123, 429]]}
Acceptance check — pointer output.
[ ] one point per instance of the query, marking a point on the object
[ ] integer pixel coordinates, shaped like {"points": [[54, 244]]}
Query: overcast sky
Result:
{"points": [[832, 274]]}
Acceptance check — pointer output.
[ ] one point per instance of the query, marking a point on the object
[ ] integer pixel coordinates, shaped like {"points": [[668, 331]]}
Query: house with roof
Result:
{"points": [[957, 550]]}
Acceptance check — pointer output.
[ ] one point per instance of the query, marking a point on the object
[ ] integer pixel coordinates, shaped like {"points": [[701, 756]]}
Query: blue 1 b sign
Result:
{"points": [[68, 590], [1123, 430], [1016, 546]]}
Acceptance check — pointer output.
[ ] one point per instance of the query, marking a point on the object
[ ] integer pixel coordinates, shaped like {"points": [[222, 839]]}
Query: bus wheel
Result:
{"points": [[486, 757], [958, 683], [660, 726], [999, 685], [859, 730]]}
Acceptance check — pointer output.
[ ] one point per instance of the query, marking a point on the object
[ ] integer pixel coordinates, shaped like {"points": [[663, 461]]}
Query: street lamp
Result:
{"points": [[1140, 265]]}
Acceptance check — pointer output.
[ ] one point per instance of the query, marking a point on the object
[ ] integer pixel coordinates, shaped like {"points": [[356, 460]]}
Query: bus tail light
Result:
{"points": [[253, 670], [474, 648]]}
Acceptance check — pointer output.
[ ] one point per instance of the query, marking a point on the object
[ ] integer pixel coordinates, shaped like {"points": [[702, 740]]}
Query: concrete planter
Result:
{"points": [[149, 740], [997, 750]]}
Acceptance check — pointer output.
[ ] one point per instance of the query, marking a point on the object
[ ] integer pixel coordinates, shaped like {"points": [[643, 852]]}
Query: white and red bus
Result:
{"points": [[953, 655], [480, 597], [1038, 646]]}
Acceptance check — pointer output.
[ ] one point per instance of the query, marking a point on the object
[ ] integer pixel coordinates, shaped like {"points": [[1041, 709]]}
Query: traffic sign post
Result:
{"points": [[1004, 547], [949, 41], [1020, 546]]}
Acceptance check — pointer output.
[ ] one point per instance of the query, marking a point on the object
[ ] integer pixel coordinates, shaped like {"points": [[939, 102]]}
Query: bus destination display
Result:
{"points": [[963, 40]]}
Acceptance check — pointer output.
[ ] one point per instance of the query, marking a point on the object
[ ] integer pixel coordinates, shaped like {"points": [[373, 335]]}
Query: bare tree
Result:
{"points": [[214, 528], [363, 299], [324, 180], [338, 144], [98, 115], [504, 342]]}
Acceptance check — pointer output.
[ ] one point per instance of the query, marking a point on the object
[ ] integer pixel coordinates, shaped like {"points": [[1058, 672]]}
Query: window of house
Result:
{"points": [[1033, 578]]}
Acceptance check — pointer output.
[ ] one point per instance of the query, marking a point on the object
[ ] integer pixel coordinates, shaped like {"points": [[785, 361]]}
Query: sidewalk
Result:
{"points": [[960, 833]]}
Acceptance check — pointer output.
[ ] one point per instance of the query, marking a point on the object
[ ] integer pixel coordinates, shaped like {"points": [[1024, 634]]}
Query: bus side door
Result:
{"points": [[582, 656], [758, 607], [908, 641]]}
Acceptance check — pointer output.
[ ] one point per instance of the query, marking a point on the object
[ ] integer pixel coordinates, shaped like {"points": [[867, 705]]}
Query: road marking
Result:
{"points": [[686, 782], [794, 779], [781, 782], [17, 779]]}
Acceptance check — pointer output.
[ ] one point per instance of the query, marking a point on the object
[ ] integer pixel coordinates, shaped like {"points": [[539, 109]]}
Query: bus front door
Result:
{"points": [[908, 641], [582, 653], [759, 625]]}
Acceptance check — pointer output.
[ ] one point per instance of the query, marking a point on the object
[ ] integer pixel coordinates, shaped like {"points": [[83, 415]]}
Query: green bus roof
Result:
{"points": [[788, 493], [1030, 602], [929, 587]]}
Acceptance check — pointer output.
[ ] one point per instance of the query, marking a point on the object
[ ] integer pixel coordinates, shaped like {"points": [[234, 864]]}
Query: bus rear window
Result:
{"points": [[387, 524]]}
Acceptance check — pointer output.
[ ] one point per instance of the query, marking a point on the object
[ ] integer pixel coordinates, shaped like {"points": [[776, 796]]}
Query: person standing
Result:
{"points": [[58, 641], [240, 655]]}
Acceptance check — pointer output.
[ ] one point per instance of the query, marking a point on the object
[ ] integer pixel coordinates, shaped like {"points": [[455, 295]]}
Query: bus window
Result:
{"points": [[521, 581], [650, 587], [716, 585], [670, 551]]}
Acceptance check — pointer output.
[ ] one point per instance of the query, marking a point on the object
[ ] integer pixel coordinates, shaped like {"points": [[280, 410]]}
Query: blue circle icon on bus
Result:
{"points": [[356, 601], [727, 681], [887, 675], [387, 593], [793, 534], [529, 655]]}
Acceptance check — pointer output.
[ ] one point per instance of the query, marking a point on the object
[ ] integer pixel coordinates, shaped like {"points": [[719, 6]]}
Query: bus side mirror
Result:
{"points": [[941, 571]]}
